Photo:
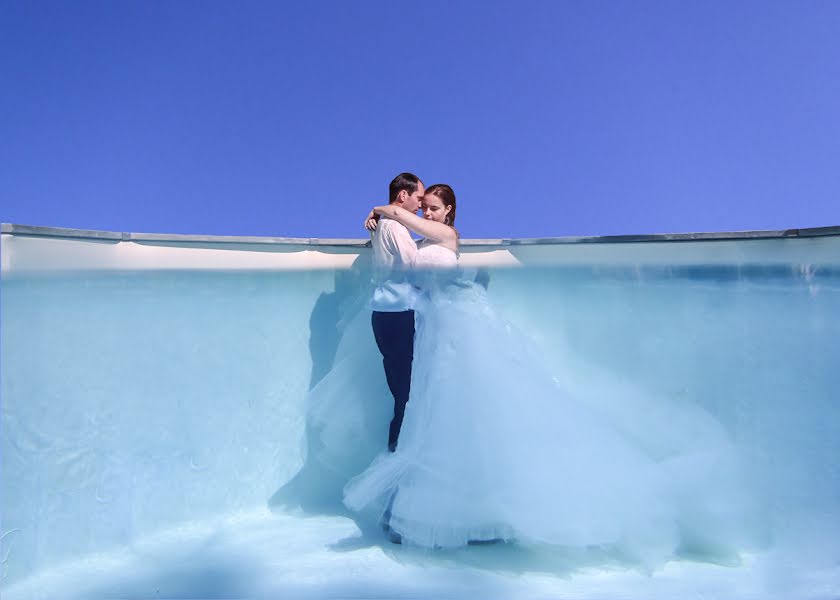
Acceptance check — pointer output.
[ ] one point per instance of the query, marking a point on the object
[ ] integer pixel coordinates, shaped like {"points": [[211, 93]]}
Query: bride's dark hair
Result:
{"points": [[447, 196]]}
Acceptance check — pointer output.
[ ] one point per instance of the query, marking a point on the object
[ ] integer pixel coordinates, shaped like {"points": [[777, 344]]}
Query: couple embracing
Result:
{"points": [[486, 444]]}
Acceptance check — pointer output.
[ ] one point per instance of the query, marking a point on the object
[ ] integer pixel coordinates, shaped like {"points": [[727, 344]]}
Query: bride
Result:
{"points": [[493, 448]]}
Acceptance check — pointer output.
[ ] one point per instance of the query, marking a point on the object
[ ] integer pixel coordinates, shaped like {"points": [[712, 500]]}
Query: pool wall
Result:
{"points": [[31, 248], [153, 381]]}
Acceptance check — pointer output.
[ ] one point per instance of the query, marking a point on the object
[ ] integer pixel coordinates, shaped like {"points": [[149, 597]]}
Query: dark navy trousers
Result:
{"points": [[394, 333]]}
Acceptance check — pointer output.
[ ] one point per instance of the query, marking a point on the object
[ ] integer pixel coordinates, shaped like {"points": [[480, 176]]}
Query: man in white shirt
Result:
{"points": [[393, 297]]}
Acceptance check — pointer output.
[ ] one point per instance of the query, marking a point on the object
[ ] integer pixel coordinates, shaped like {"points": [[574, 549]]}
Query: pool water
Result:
{"points": [[149, 418]]}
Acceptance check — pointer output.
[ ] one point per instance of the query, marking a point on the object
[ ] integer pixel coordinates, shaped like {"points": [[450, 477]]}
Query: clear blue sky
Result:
{"points": [[547, 118]]}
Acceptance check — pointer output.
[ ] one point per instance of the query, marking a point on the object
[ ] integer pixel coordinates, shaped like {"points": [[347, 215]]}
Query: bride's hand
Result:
{"points": [[371, 220]]}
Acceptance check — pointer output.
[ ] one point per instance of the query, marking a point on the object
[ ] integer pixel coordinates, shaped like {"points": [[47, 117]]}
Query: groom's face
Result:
{"points": [[412, 201]]}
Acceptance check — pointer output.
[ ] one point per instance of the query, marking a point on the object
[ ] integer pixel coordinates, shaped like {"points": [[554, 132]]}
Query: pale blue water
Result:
{"points": [[137, 405]]}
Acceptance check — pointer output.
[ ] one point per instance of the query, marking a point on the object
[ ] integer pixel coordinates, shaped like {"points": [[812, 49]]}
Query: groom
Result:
{"points": [[393, 296]]}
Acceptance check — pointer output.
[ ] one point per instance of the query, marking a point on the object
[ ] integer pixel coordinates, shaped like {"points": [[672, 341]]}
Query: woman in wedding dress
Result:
{"points": [[493, 448]]}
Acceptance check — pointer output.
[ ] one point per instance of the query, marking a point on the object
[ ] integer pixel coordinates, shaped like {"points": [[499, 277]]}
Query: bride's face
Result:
{"points": [[433, 208]]}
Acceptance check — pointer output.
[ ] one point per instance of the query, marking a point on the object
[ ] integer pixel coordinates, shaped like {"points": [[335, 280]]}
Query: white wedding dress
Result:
{"points": [[493, 447]]}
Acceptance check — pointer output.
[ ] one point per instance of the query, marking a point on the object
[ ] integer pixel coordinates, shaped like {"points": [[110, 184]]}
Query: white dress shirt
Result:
{"points": [[393, 255]]}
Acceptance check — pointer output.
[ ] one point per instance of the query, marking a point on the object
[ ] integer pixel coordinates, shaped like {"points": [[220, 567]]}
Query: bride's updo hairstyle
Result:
{"points": [[447, 197]]}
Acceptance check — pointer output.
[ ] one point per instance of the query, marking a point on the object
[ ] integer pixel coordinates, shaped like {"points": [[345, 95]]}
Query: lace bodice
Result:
{"points": [[434, 267]]}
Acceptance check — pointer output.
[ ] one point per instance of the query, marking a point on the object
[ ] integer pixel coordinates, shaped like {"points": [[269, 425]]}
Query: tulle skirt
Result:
{"points": [[496, 446]]}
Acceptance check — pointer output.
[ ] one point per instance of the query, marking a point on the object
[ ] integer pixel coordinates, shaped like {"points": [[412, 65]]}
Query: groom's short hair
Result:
{"points": [[403, 181]]}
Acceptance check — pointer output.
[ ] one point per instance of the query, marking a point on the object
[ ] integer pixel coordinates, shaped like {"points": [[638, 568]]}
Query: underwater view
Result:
{"points": [[188, 433]]}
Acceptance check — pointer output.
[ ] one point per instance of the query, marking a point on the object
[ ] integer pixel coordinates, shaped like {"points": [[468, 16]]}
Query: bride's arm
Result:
{"points": [[370, 221], [430, 229]]}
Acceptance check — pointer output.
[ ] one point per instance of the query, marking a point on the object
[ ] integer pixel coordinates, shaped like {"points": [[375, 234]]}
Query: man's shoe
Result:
{"points": [[485, 542], [394, 537]]}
